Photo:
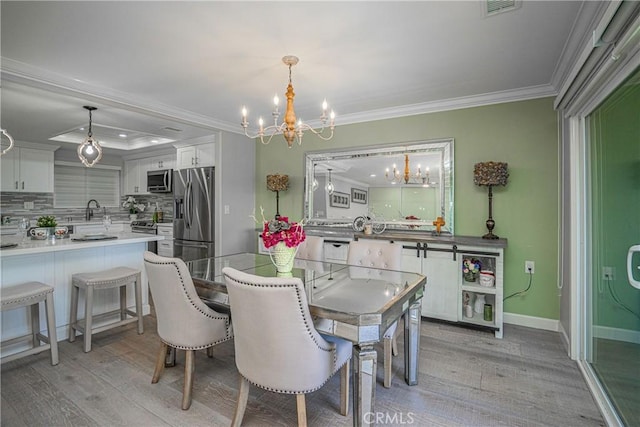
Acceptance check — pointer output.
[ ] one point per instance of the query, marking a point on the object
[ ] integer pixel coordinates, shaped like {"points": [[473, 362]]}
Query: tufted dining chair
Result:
{"points": [[184, 321], [276, 346], [383, 255], [310, 254]]}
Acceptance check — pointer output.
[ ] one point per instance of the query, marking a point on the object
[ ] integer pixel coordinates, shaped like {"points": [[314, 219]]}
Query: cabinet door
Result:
{"points": [[132, 172], [186, 157], [10, 170], [441, 292], [205, 155], [161, 162], [36, 170]]}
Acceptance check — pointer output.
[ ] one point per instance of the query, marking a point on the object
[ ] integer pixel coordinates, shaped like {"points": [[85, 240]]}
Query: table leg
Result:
{"points": [[412, 321], [365, 360]]}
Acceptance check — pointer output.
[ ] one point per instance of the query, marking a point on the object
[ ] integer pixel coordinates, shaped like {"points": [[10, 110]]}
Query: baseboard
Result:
{"points": [[532, 322], [617, 334], [565, 339]]}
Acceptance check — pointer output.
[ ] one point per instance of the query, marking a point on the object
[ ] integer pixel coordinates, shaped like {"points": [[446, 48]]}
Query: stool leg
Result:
{"points": [[51, 328], [88, 319], [123, 302], [35, 323], [138, 290], [73, 318]]}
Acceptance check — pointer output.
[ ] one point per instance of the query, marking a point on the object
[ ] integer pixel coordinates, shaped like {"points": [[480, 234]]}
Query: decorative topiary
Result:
{"points": [[47, 221]]}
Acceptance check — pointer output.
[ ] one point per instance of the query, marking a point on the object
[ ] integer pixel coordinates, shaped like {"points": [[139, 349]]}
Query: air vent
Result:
{"points": [[493, 7], [172, 129]]}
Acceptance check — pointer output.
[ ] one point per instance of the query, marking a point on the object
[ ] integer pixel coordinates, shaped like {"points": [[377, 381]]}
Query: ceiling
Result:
{"points": [[183, 70]]}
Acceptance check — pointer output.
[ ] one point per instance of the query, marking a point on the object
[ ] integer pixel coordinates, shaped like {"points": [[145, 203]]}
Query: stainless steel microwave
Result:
{"points": [[159, 181]]}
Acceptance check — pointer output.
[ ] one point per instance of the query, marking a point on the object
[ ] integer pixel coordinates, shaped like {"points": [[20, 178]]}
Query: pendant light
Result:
{"points": [[330, 187], [90, 151]]}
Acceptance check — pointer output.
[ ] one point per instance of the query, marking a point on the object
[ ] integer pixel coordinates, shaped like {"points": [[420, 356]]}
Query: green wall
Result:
{"points": [[524, 134]]}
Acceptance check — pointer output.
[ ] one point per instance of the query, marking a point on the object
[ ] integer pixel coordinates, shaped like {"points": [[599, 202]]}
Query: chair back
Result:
{"points": [[184, 321], [311, 249], [276, 345]]}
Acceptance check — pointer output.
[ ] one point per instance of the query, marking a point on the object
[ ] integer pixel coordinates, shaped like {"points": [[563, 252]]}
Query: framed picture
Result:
{"points": [[359, 196], [339, 200]]}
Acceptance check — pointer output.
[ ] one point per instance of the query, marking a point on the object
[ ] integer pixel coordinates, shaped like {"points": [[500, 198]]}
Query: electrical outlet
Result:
{"points": [[529, 267], [608, 273], [28, 205]]}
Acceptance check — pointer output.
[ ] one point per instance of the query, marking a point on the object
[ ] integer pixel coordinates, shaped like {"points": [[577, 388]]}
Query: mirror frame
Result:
{"points": [[443, 146]]}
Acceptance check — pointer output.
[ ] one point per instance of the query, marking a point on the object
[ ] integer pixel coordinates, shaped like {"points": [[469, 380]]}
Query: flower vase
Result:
{"points": [[282, 257], [478, 305]]}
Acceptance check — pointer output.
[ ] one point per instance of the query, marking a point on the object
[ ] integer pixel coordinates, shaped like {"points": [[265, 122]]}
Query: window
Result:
{"points": [[75, 185]]}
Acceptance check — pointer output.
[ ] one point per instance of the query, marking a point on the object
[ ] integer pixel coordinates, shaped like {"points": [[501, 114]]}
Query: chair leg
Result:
{"points": [[302, 410], [387, 362], [345, 374], [73, 317], [88, 319], [241, 405], [51, 328], [159, 363], [188, 379], [138, 297], [35, 324], [123, 302]]}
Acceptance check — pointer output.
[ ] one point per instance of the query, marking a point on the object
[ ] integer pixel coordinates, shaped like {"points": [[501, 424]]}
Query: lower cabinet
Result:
{"points": [[165, 247], [474, 296]]}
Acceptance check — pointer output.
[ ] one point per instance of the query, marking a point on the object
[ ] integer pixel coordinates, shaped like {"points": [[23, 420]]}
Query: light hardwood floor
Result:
{"points": [[467, 378]]}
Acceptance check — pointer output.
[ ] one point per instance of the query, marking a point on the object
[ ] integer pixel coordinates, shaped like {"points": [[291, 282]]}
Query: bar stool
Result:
{"points": [[30, 295], [118, 277]]}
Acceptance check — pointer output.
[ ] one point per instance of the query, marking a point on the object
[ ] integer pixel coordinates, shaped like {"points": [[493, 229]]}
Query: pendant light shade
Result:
{"points": [[330, 188], [90, 151]]}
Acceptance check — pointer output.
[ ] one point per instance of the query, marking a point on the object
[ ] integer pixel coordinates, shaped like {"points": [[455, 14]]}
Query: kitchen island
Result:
{"points": [[54, 261]]}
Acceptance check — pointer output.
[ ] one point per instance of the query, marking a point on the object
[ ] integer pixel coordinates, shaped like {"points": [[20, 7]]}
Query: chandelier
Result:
{"points": [[90, 152], [289, 128], [11, 143], [418, 177]]}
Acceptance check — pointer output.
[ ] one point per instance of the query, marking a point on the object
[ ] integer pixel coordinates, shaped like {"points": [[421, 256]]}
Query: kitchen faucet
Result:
{"points": [[89, 211]]}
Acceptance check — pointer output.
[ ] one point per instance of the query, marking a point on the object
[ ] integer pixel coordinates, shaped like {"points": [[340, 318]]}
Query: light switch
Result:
{"points": [[226, 209]]}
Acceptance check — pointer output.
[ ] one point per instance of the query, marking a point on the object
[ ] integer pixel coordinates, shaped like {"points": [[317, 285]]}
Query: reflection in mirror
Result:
{"points": [[406, 186]]}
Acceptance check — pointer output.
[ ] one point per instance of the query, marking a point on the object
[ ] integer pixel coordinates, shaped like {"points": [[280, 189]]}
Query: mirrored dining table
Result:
{"points": [[351, 302]]}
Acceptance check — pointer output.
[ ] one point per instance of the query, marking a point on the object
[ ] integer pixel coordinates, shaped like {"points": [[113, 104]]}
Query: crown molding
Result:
{"points": [[28, 75]]}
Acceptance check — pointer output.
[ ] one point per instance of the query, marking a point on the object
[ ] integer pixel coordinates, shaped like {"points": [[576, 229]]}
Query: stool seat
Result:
{"points": [[30, 294], [118, 277]]}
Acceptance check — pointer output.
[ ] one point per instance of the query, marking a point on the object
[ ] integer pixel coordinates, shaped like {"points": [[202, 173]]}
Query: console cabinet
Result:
{"points": [[448, 290]]}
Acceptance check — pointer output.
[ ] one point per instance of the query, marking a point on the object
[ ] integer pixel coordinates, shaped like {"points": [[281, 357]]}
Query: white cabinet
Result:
{"points": [[447, 292], [441, 294], [196, 156], [165, 247], [135, 176], [27, 170], [161, 162], [474, 290]]}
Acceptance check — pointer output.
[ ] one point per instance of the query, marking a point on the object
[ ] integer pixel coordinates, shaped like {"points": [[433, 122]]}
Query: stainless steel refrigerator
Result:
{"points": [[193, 223]]}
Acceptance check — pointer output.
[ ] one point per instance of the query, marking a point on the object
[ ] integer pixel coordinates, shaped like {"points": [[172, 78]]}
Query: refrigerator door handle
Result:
{"points": [[188, 205]]}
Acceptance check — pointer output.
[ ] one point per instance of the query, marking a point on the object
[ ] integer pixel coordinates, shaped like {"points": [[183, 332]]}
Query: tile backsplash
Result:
{"points": [[12, 206]]}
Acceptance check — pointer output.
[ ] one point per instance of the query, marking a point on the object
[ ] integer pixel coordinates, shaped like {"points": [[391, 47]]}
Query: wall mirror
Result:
{"points": [[405, 185]]}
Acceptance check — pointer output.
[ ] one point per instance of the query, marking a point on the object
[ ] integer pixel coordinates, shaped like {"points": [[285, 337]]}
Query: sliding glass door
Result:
{"points": [[614, 252]]}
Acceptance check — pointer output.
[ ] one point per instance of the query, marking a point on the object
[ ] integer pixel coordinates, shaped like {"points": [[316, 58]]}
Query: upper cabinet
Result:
{"points": [[27, 170], [194, 156], [161, 162], [135, 176]]}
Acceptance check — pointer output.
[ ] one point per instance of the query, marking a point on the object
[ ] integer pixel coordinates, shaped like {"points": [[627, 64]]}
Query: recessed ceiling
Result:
{"points": [[151, 67]]}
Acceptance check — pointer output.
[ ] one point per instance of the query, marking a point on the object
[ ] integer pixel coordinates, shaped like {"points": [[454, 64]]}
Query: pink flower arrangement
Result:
{"points": [[281, 230]]}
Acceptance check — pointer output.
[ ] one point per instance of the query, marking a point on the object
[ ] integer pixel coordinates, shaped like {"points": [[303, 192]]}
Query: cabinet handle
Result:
{"points": [[23, 185], [16, 185], [197, 160], [160, 164], [455, 251], [424, 250], [193, 160]]}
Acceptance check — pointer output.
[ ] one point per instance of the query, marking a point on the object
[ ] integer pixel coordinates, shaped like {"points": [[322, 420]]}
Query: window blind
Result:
{"points": [[74, 186]]}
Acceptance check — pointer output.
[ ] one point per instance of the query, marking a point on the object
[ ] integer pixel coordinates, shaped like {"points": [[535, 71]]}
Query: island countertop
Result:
{"points": [[28, 246]]}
